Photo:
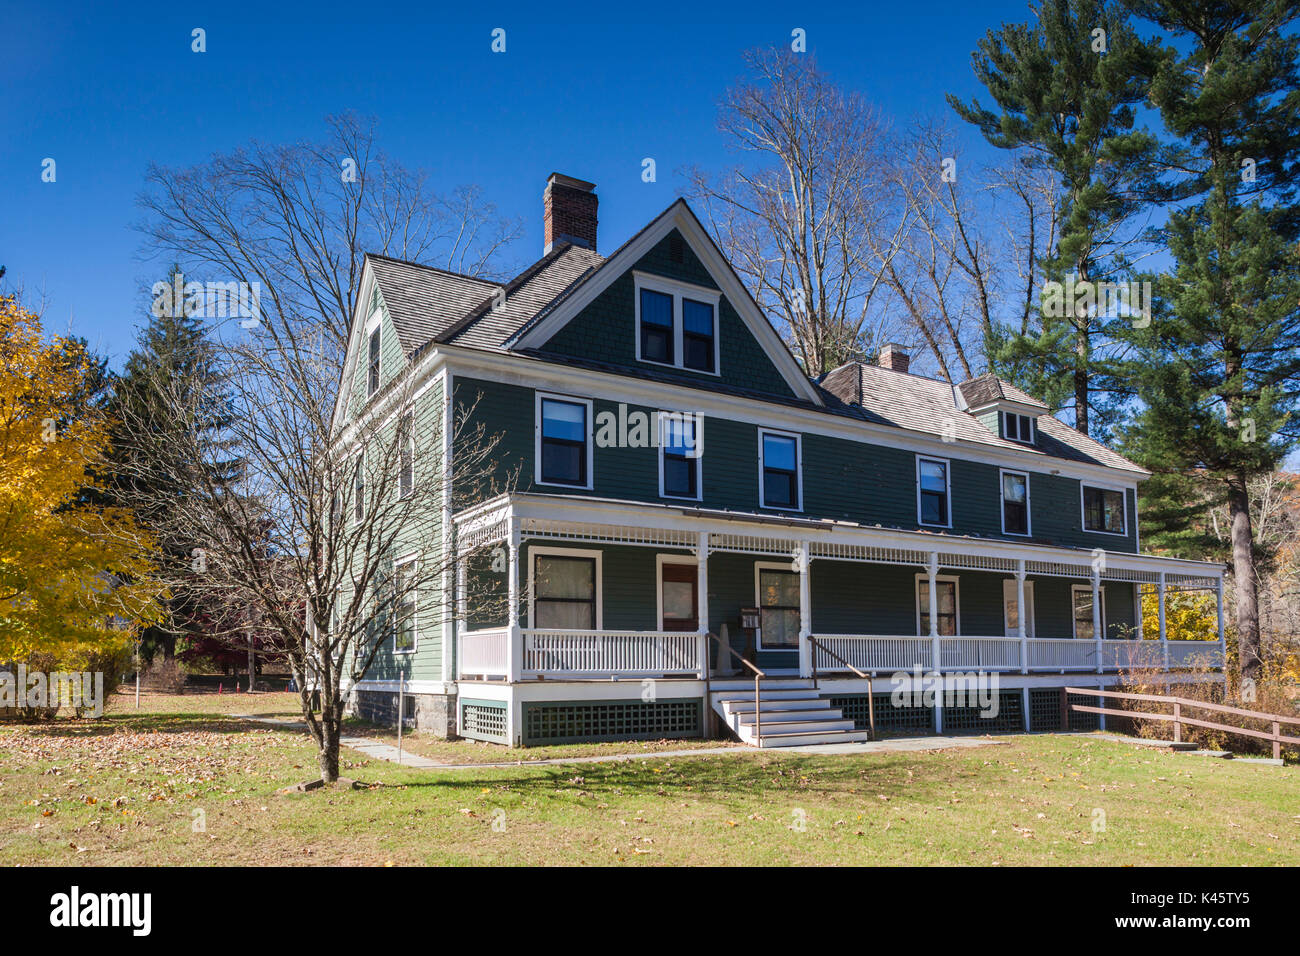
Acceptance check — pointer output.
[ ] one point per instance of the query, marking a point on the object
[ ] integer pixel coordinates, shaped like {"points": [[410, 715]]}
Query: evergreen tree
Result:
{"points": [[1067, 88], [171, 367], [1219, 366]]}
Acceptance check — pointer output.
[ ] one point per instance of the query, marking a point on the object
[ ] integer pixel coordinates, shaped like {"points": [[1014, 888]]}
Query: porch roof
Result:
{"points": [[652, 524]]}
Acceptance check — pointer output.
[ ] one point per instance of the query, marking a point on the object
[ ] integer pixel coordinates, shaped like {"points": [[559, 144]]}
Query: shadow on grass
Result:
{"points": [[110, 724]]}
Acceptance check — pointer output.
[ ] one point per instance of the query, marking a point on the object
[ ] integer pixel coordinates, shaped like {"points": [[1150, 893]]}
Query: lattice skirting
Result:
{"points": [[1045, 710], [970, 718], [889, 719], [560, 722], [484, 720]]}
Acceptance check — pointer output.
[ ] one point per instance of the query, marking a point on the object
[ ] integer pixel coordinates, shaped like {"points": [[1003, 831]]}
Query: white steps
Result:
{"points": [[792, 714]]}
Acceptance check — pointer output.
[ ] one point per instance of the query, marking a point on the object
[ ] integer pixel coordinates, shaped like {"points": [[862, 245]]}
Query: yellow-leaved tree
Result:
{"points": [[74, 576], [1189, 615]]}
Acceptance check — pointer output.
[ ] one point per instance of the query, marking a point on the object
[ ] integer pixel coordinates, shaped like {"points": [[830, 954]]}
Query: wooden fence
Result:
{"points": [[1178, 718]]}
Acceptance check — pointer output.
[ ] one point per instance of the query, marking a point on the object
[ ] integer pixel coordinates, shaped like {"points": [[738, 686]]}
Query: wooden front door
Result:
{"points": [[679, 598]]}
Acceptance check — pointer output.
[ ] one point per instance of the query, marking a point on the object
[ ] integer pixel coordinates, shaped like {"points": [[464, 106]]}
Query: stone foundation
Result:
{"points": [[431, 713]]}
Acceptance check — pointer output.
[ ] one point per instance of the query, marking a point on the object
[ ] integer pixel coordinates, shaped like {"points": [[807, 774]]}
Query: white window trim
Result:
{"points": [[1009, 594], [798, 475], [537, 439], [1074, 620], [414, 559], [534, 550], [947, 477], [1002, 503], [698, 458], [358, 465], [760, 566], [923, 581], [660, 560], [1033, 428], [679, 290], [1083, 510]]}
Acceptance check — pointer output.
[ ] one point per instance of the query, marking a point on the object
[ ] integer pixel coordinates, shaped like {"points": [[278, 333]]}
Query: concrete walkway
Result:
{"points": [[381, 751]]}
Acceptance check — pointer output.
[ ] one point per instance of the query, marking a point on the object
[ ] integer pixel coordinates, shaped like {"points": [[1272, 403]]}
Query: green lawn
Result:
{"points": [[127, 790]]}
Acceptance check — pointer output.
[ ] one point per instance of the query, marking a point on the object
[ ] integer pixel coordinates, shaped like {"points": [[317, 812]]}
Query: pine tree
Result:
{"points": [[1219, 365], [1067, 88], [171, 367]]}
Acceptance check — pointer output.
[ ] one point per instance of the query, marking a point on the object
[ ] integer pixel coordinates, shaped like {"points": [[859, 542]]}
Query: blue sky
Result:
{"points": [[585, 90]]}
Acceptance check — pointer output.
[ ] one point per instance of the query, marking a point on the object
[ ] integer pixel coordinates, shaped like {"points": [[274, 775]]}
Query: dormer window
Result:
{"points": [[676, 324], [1018, 428]]}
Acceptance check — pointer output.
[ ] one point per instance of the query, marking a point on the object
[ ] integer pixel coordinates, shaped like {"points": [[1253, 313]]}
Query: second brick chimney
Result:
{"points": [[569, 212], [894, 356]]}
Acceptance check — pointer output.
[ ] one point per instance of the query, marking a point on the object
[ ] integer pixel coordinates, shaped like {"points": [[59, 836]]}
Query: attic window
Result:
{"points": [[373, 377], [1018, 428], [676, 324]]}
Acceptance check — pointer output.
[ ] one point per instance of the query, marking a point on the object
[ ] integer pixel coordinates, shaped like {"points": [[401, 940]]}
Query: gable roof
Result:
{"points": [[901, 400], [678, 216], [987, 389], [424, 301]]}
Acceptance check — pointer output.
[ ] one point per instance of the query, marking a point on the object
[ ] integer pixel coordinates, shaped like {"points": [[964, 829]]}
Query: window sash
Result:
{"points": [[1103, 510], [1081, 598], [359, 490], [778, 593], [697, 342], [933, 480], [566, 609], [657, 327], [406, 475], [1015, 503], [946, 592], [404, 600], [780, 483], [557, 450]]}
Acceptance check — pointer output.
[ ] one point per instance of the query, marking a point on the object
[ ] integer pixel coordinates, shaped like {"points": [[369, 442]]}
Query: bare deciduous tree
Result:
{"points": [[795, 217], [306, 535]]}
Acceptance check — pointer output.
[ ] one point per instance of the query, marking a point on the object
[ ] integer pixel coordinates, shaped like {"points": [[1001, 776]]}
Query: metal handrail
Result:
{"points": [[758, 676], [871, 697]]}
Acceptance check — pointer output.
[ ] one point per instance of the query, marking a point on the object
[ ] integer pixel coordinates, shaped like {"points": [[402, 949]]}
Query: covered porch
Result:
{"points": [[601, 590]]}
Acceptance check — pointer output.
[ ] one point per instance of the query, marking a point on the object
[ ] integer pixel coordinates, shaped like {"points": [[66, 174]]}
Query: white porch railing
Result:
{"points": [[1195, 654], [608, 653], [979, 653], [874, 653], [1061, 654], [485, 653]]}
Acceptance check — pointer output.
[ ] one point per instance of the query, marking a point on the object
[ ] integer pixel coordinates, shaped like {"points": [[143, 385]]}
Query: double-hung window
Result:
{"points": [[1103, 510], [372, 378], [564, 592], [680, 456], [564, 441], [1081, 597], [677, 323], [933, 492], [404, 580], [779, 470], [947, 612], [1015, 502], [697, 335], [359, 488], [657, 333]]}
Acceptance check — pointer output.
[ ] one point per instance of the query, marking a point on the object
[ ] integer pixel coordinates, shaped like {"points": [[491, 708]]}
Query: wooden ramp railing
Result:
{"points": [[1178, 718]]}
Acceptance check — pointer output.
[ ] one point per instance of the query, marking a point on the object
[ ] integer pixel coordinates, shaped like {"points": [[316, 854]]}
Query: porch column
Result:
{"points": [[512, 611], [1021, 631], [1223, 640], [1097, 634], [702, 600], [460, 621], [803, 562], [1160, 616], [931, 570]]}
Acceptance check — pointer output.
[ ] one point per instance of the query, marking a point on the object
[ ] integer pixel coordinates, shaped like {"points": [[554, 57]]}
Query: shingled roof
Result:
{"points": [[915, 403], [424, 301], [988, 388]]}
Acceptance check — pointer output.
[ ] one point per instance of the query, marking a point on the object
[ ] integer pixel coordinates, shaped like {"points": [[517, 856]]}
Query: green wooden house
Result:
{"points": [[684, 510]]}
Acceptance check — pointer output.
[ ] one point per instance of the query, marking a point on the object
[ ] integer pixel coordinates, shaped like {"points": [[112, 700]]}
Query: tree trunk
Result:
{"points": [[1081, 383], [328, 758], [1243, 572], [252, 665]]}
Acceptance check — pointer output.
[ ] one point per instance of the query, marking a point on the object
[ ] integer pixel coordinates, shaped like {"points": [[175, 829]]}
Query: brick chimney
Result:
{"points": [[894, 356], [569, 212]]}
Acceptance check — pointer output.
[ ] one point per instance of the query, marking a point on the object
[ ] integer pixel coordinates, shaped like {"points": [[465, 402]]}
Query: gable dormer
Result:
{"points": [[667, 305], [1003, 409]]}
